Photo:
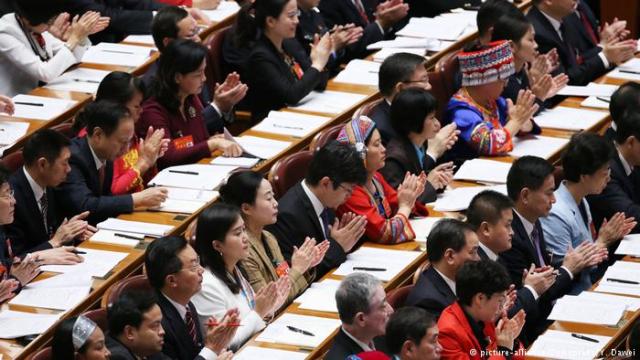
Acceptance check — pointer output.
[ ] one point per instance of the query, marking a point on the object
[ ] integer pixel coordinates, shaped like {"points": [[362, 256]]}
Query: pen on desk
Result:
{"points": [[582, 337], [184, 172], [28, 103], [603, 99], [299, 331], [78, 252], [287, 127], [364, 268], [622, 281], [127, 236], [629, 71], [87, 81], [118, 52]]}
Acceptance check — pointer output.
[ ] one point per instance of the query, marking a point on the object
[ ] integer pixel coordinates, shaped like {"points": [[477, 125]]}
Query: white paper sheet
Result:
{"points": [[58, 298], [384, 53], [255, 352], [74, 278], [411, 42], [554, 344], [262, 147], [39, 107], [386, 262], [290, 123], [484, 171], [96, 263], [625, 271], [592, 89], [192, 176], [329, 102], [537, 145], [277, 331], [630, 245], [596, 102], [110, 237], [242, 162], [137, 227], [422, 227], [192, 195], [180, 206], [11, 131], [566, 118], [82, 80], [223, 11], [574, 309], [458, 199], [16, 323], [320, 296], [631, 303], [451, 26], [117, 54], [140, 39]]}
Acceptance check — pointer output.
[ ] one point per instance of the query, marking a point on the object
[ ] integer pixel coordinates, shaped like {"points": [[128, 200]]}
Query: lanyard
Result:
{"points": [[42, 53]]}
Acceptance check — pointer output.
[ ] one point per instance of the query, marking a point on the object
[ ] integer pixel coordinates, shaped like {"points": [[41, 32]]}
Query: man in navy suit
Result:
{"points": [[307, 209], [450, 244], [175, 273], [37, 226], [88, 185]]}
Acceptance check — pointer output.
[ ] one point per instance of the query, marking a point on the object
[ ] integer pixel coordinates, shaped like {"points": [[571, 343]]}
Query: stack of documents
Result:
{"points": [[384, 53], [384, 264], [630, 245], [566, 118], [140, 39], [291, 123], [255, 352], [83, 80], [117, 54], [623, 277], [450, 26], [320, 296], [223, 11], [631, 303], [359, 72], [628, 71], [136, 227], [40, 107], [117, 238], [192, 176], [329, 102], [592, 89], [537, 145], [587, 311], [299, 330], [186, 201], [61, 292], [241, 162], [262, 148], [483, 171], [96, 263], [597, 102], [17, 324], [422, 227], [554, 344], [459, 199]]}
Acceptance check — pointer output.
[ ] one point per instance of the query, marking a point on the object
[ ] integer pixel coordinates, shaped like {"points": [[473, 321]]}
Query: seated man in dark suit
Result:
{"points": [[174, 22], [37, 225], [397, 72], [175, 273], [88, 185], [530, 185], [364, 313], [451, 243], [491, 214], [375, 17], [555, 29], [308, 208], [625, 98], [622, 193]]}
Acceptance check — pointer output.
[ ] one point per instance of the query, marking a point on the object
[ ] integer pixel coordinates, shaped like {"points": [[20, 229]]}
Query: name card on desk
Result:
{"points": [[136, 227], [40, 107], [586, 311], [255, 352], [82, 80], [117, 54], [554, 344], [299, 330], [483, 171], [290, 123], [96, 263], [192, 176], [459, 198], [17, 324], [537, 145], [329, 102], [384, 264], [566, 118]]}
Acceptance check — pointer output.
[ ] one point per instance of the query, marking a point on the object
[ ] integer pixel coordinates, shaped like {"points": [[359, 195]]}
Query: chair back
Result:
{"points": [[66, 129], [397, 297], [44, 354], [288, 171], [325, 136], [214, 69], [419, 271], [366, 109], [13, 161], [190, 233], [136, 282]]}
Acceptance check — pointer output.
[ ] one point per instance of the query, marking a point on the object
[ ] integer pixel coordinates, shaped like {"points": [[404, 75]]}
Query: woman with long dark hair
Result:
{"points": [[79, 338], [175, 107]]}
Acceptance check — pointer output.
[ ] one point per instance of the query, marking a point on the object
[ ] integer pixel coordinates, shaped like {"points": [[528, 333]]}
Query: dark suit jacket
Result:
{"points": [[27, 232], [621, 194], [402, 157], [120, 352], [381, 115], [81, 191], [342, 347], [547, 39], [297, 220], [342, 12], [584, 42], [177, 343], [431, 292], [127, 16], [272, 85]]}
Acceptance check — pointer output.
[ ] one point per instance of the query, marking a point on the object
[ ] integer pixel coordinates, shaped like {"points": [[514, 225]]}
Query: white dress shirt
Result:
{"points": [[38, 191], [318, 207], [449, 282]]}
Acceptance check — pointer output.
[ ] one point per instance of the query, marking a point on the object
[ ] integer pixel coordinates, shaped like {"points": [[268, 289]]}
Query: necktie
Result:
{"points": [[567, 42], [587, 25], [191, 326], [44, 207], [324, 215], [535, 238], [39, 39], [101, 178], [363, 13]]}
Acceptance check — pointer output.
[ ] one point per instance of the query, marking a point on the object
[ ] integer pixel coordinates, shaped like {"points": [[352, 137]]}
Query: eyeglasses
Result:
{"points": [[348, 190], [293, 14], [194, 267]]}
